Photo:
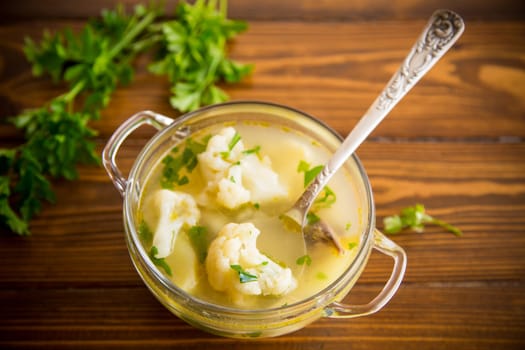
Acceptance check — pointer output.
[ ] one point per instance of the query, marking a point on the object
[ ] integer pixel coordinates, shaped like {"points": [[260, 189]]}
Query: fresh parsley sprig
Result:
{"points": [[415, 218], [191, 52], [57, 136], [94, 61]]}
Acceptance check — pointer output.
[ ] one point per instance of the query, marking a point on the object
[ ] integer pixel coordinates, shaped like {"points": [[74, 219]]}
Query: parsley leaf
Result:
{"points": [[415, 218], [352, 245], [305, 259], [312, 218], [160, 262], [199, 239], [177, 163], [145, 233], [234, 141], [327, 196], [8, 215], [254, 150], [321, 275], [309, 173], [244, 276]]}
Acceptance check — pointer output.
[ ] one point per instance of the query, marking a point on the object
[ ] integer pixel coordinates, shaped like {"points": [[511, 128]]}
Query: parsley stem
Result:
{"points": [[145, 43], [71, 94], [223, 8], [447, 226], [136, 30]]}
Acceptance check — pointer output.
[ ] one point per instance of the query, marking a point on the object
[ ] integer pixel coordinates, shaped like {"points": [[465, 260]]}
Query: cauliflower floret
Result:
{"points": [[166, 213], [217, 158], [235, 177], [230, 192], [259, 178], [235, 248]]}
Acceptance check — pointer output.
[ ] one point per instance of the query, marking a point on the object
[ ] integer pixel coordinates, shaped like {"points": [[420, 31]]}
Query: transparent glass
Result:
{"points": [[227, 321]]}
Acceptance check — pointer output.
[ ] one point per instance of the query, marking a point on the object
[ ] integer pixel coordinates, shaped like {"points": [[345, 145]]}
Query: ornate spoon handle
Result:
{"points": [[441, 32]]}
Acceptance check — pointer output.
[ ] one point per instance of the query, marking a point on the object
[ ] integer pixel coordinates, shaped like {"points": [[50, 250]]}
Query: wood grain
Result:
{"points": [[418, 317], [290, 10], [456, 144], [333, 71]]}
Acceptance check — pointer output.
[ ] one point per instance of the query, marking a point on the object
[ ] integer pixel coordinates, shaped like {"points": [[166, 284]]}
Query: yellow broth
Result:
{"points": [[286, 148]]}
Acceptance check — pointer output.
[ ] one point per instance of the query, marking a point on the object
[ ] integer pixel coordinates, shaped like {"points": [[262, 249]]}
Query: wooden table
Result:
{"points": [[455, 144]]}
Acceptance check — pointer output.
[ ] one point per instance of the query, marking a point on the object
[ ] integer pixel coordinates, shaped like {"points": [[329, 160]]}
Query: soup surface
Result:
{"points": [[209, 216]]}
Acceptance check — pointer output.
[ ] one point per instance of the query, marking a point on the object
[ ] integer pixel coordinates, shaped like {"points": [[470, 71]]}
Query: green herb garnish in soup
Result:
{"points": [[209, 216]]}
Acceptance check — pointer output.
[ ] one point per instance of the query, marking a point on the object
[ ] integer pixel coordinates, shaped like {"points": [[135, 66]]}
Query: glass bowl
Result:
{"points": [[229, 321]]}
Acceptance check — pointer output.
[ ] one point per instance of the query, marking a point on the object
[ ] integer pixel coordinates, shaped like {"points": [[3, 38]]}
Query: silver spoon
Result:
{"points": [[438, 36]]}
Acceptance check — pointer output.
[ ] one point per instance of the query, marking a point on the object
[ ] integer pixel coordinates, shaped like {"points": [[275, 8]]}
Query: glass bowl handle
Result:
{"points": [[110, 151], [388, 247]]}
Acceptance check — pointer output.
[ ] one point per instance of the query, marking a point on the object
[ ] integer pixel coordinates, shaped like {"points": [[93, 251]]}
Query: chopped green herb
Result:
{"points": [[235, 139], [254, 334], [352, 245], [175, 163], [347, 226], [189, 156], [312, 218], [303, 166], [254, 150], [199, 239], [145, 233], [327, 196], [192, 150], [305, 259], [160, 262], [325, 199], [171, 172], [415, 218], [264, 263], [244, 277], [309, 174], [278, 262], [256, 205], [321, 275]]}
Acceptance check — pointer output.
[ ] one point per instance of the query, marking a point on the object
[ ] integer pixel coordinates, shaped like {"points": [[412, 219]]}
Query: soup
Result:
{"points": [[209, 216]]}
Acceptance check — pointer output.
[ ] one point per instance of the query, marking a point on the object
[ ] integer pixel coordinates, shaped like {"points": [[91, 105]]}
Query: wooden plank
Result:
{"points": [[482, 316], [309, 10], [333, 71], [456, 144]]}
